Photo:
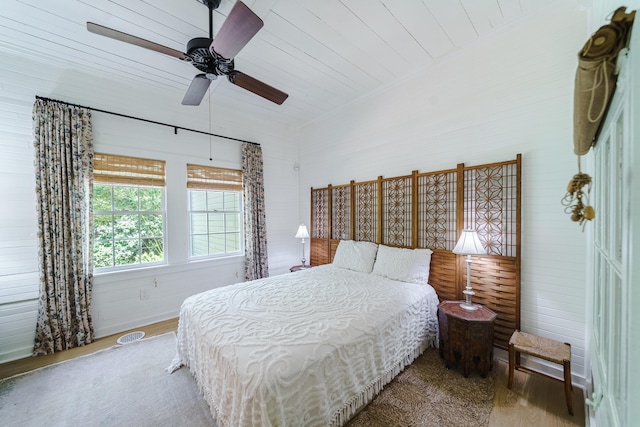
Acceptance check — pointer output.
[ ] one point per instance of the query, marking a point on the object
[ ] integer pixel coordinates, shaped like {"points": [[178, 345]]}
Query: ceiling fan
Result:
{"points": [[212, 56]]}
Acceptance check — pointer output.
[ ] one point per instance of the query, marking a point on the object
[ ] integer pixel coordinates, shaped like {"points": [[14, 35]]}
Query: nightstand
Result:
{"points": [[299, 267], [466, 337]]}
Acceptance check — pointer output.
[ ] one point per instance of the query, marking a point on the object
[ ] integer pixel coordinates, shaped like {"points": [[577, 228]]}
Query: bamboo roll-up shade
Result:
{"points": [[212, 178], [114, 169]]}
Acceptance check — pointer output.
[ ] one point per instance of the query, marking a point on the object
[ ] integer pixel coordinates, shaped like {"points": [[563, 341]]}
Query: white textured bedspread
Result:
{"points": [[302, 349]]}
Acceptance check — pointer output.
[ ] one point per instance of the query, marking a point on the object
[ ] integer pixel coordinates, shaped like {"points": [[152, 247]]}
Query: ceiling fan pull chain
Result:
{"points": [[210, 20], [210, 156]]}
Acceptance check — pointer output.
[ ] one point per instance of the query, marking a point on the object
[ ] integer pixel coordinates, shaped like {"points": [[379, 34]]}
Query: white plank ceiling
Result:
{"points": [[323, 53]]}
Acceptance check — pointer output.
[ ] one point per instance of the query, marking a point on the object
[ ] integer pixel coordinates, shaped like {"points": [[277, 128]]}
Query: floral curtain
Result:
{"points": [[63, 144], [255, 230]]}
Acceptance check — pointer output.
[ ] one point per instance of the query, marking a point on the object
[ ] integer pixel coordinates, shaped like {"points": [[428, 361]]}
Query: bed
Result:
{"points": [[309, 348]]}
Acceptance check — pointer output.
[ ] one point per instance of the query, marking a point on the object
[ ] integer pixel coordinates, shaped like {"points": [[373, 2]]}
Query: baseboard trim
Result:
{"points": [[540, 365], [133, 324]]}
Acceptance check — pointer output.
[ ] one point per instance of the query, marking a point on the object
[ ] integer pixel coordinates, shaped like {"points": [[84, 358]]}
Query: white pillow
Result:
{"points": [[405, 265], [357, 256]]}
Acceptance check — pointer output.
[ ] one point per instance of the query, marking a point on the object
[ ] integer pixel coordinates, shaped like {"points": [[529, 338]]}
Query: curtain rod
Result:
{"points": [[175, 128]]}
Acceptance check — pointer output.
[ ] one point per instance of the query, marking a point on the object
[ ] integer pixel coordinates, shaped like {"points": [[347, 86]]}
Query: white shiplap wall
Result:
{"points": [[117, 305], [511, 94]]}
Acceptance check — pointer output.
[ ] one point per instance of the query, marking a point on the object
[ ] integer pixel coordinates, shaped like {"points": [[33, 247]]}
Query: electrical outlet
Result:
{"points": [[144, 294]]}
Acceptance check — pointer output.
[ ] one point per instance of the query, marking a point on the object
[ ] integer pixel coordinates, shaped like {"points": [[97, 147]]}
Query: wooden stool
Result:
{"points": [[546, 349]]}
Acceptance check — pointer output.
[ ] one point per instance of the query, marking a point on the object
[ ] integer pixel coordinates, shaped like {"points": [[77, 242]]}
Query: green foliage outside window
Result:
{"points": [[128, 225]]}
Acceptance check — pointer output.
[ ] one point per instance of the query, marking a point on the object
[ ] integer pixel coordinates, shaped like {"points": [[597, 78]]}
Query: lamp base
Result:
{"points": [[468, 294], [468, 306]]}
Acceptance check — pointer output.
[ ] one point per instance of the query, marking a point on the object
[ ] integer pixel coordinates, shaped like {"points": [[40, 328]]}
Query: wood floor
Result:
{"points": [[23, 365], [532, 401]]}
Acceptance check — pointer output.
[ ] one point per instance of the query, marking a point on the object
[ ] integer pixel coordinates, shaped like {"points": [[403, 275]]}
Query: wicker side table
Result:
{"points": [[466, 337]]}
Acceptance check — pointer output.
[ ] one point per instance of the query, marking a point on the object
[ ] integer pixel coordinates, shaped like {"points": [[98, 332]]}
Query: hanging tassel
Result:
{"points": [[573, 199]]}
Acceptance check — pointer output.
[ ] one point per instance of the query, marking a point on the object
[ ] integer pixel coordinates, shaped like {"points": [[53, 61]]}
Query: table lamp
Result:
{"points": [[303, 233], [469, 244]]}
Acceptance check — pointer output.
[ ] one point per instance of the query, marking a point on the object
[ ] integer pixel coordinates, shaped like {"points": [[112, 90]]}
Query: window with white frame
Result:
{"points": [[215, 211], [128, 212]]}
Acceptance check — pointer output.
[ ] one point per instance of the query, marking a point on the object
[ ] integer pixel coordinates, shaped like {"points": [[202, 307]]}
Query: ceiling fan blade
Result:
{"points": [[128, 38], [236, 31], [196, 91], [256, 86]]}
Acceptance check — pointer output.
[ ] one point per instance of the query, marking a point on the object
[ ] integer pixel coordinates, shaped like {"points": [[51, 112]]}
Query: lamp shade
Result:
{"points": [[302, 233], [469, 244]]}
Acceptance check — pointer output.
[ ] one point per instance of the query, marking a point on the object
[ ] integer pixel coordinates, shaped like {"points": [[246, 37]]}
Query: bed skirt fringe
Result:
{"points": [[175, 364], [354, 405]]}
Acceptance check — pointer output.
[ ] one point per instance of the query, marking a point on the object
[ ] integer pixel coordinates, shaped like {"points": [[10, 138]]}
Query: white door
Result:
{"points": [[609, 348]]}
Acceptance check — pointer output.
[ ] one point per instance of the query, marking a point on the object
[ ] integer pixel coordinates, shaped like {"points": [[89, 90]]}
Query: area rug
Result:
{"points": [[120, 386], [428, 394], [128, 386]]}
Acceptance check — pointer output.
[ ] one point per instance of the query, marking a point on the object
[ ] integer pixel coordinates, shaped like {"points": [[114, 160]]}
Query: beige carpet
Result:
{"points": [[127, 386], [120, 386]]}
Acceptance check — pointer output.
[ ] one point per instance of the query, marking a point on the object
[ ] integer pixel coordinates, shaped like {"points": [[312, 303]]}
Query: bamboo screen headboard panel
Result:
{"points": [[429, 210]]}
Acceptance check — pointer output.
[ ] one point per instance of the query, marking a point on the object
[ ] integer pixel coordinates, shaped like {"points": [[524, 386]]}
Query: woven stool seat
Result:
{"points": [[544, 348], [541, 347]]}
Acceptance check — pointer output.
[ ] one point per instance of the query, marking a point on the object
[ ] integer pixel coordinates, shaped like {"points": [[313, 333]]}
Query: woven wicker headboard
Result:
{"points": [[429, 210]]}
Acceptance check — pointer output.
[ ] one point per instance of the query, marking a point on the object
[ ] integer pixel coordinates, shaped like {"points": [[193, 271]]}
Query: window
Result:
{"points": [[128, 211], [215, 211]]}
